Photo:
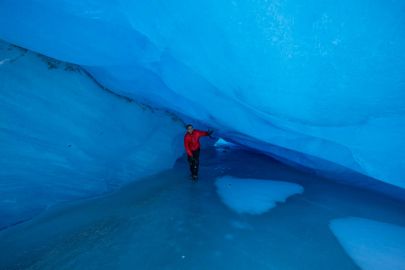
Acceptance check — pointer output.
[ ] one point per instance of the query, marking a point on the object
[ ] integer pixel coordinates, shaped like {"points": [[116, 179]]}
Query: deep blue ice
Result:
{"points": [[168, 222], [315, 83]]}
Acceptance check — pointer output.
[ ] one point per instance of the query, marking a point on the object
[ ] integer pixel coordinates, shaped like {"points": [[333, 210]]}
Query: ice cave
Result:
{"points": [[300, 106]]}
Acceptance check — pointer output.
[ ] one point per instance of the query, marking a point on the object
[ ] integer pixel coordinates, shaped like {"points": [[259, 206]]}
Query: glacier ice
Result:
{"points": [[254, 196], [319, 84], [315, 84], [62, 137], [373, 245]]}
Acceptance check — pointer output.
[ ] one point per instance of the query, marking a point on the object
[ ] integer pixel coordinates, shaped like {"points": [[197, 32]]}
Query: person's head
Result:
{"points": [[189, 128]]}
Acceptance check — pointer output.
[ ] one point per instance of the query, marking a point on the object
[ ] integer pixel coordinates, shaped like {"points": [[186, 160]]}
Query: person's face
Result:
{"points": [[190, 129]]}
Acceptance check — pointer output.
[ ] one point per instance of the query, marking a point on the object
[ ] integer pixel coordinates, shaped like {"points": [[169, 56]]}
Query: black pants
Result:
{"points": [[194, 162]]}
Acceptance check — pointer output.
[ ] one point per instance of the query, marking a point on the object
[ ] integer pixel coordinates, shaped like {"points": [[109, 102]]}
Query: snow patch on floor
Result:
{"points": [[254, 196], [373, 245]]}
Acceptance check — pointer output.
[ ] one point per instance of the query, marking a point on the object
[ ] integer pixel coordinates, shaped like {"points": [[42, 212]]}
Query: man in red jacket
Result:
{"points": [[192, 145]]}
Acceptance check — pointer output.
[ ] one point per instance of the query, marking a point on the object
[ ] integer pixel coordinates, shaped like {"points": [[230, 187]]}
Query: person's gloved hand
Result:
{"points": [[210, 132]]}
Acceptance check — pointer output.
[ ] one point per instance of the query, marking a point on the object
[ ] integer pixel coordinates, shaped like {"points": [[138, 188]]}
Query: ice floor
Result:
{"points": [[167, 222]]}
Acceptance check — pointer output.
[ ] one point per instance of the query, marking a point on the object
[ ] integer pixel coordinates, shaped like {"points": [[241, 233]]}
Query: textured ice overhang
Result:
{"points": [[63, 137], [319, 84]]}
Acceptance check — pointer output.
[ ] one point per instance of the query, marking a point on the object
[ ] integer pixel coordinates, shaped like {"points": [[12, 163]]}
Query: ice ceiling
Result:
{"points": [[316, 83]]}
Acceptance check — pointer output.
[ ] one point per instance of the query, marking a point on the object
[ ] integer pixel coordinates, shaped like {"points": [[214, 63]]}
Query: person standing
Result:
{"points": [[192, 146]]}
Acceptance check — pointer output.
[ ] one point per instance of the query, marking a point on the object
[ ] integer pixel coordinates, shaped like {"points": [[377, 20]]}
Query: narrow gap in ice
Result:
{"points": [[221, 143]]}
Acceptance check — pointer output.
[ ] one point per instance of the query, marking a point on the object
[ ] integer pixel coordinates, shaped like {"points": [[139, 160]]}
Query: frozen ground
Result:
{"points": [[167, 222]]}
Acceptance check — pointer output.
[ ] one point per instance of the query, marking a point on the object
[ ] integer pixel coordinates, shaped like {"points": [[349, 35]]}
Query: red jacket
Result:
{"points": [[191, 141]]}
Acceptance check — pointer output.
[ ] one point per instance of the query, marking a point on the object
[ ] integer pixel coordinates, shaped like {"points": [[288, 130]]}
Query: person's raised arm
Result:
{"points": [[204, 133]]}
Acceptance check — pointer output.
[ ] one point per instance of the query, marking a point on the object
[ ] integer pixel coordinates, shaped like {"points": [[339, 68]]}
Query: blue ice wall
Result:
{"points": [[62, 137], [315, 83]]}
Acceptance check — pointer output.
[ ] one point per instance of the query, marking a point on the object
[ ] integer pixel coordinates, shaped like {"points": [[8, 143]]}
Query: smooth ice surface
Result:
{"points": [[373, 245], [254, 196], [318, 83], [63, 137], [168, 222]]}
